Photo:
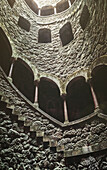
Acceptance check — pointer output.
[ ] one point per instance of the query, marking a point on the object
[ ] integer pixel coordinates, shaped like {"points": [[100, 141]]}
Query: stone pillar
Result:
{"points": [[94, 96], [55, 10], [36, 92], [65, 109], [11, 68], [69, 3], [39, 12]]}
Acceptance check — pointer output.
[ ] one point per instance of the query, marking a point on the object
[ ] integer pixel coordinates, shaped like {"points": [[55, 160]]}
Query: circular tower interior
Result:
{"points": [[53, 84]]}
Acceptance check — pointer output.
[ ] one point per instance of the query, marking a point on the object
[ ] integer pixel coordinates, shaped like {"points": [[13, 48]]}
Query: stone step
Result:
{"points": [[10, 106], [5, 99], [39, 134], [46, 141], [60, 148], [21, 118], [15, 112], [1, 93], [53, 143], [27, 122], [34, 128], [98, 147]]}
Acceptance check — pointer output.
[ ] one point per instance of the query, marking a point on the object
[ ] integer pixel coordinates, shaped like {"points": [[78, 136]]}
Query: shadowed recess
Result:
{"points": [[50, 100], [84, 19], [62, 5], [5, 52], [99, 79], [66, 34], [79, 98], [24, 23], [23, 79], [44, 35], [47, 10]]}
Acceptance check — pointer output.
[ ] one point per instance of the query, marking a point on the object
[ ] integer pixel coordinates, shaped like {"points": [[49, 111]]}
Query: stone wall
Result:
{"points": [[18, 150], [52, 58]]}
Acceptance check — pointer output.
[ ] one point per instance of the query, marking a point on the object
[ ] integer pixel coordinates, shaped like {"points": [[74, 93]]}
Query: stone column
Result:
{"points": [[65, 109], [11, 69], [94, 96], [69, 3], [39, 12], [55, 10], [36, 92]]}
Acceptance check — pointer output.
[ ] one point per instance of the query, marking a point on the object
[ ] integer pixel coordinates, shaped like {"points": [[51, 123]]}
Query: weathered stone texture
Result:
{"points": [[20, 151], [52, 58]]}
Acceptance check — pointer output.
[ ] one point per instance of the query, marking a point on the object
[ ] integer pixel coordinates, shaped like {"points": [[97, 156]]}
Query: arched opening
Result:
{"points": [[50, 100], [79, 98], [32, 4], [99, 80], [44, 35], [66, 34], [5, 52], [24, 24], [23, 79], [85, 15], [62, 6], [47, 10]]}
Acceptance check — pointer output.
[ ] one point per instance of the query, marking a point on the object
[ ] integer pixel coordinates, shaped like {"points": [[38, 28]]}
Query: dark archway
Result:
{"points": [[23, 79], [32, 4], [79, 98], [24, 23], [47, 10], [66, 34], [84, 19], [44, 35], [50, 100], [5, 52], [62, 6], [99, 80]]}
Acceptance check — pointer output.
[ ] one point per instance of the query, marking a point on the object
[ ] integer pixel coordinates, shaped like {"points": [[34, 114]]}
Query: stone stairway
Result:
{"points": [[28, 126], [40, 136]]}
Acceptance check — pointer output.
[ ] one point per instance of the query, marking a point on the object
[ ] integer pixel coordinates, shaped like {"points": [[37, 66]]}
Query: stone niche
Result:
{"points": [[66, 34], [47, 10], [24, 23], [62, 6], [84, 19], [44, 35]]}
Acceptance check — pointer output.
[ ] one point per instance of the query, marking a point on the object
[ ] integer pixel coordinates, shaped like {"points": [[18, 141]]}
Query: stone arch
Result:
{"points": [[5, 51], [23, 79], [66, 34], [49, 93], [99, 81], [84, 18], [44, 35], [79, 98], [83, 72]]}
